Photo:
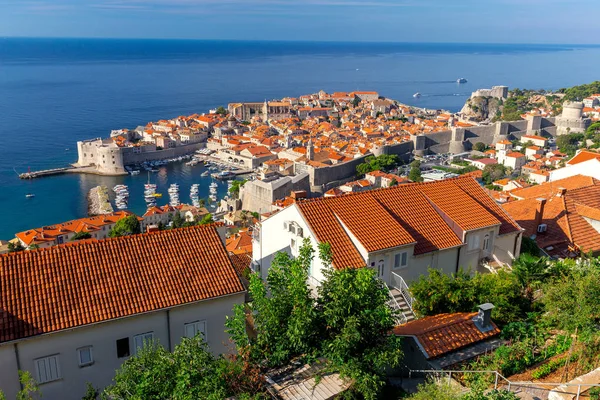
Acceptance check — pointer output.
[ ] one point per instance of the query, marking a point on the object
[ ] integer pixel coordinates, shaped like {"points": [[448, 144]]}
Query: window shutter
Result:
{"points": [[202, 328]]}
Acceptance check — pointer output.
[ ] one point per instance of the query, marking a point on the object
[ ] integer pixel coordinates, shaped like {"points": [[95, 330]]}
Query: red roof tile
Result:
{"points": [[444, 333], [81, 283]]}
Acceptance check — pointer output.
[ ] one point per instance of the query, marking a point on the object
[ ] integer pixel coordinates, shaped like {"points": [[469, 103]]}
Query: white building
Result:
{"points": [[585, 163], [74, 313], [399, 232]]}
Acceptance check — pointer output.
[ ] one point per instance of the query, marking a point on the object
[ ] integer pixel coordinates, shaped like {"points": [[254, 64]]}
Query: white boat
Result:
{"points": [[29, 195], [135, 172], [417, 95], [461, 80], [205, 173]]}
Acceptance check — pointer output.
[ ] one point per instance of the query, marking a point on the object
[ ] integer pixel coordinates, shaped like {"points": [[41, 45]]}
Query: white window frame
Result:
{"points": [[145, 337], [79, 352], [402, 259], [196, 327], [45, 373]]}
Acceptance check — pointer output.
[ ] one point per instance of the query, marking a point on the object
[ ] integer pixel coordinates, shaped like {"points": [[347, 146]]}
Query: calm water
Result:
{"points": [[54, 92]]}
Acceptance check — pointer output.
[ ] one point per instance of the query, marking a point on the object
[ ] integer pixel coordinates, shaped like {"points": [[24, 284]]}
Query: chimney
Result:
{"points": [[483, 320], [561, 192], [539, 212]]}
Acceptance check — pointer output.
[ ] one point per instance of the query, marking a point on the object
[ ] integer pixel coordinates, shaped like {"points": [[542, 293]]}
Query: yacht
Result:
{"points": [[30, 195], [417, 95], [461, 80]]}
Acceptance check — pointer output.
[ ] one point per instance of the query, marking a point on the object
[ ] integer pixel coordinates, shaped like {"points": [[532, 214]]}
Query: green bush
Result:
{"points": [[594, 393]]}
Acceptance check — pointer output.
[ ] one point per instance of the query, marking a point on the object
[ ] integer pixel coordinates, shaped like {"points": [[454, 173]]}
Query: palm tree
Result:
{"points": [[531, 272]]}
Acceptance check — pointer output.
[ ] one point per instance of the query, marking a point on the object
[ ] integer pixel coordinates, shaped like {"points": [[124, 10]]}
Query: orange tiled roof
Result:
{"points": [[401, 215], [583, 155], [89, 224], [241, 242], [444, 333], [549, 189], [81, 283]]}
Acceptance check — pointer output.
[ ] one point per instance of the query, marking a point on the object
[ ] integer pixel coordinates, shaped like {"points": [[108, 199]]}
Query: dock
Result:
{"points": [[46, 172], [231, 174]]}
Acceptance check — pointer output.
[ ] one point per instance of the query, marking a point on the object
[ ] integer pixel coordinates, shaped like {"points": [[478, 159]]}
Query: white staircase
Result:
{"points": [[400, 303], [400, 299]]}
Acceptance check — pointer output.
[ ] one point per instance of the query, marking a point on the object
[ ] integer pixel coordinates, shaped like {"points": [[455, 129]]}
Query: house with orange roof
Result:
{"points": [[585, 162], [563, 216], [399, 232], [535, 139], [51, 235], [73, 313], [513, 159], [441, 341]]}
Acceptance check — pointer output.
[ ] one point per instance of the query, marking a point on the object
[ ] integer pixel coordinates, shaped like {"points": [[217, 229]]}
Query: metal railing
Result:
{"points": [[500, 382], [399, 283], [401, 319]]}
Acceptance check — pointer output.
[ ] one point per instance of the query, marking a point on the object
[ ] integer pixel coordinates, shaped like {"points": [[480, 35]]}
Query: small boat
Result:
{"points": [[205, 173], [461, 80], [157, 195], [135, 172], [417, 95], [30, 195]]}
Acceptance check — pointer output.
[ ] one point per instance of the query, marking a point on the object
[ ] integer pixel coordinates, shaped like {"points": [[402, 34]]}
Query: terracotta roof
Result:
{"points": [[444, 333], [582, 156], [241, 262], [81, 283], [402, 215], [549, 189], [89, 224], [241, 242]]}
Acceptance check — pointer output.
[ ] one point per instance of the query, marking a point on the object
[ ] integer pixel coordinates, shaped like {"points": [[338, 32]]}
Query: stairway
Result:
{"points": [[401, 304]]}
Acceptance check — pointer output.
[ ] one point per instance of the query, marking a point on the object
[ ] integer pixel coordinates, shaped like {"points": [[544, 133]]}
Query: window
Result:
{"points": [[486, 242], [123, 347], [47, 369], [473, 242], [401, 260], [193, 328], [140, 340], [85, 356]]}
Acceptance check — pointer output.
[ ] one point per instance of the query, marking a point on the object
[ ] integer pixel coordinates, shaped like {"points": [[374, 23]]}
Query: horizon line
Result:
{"points": [[299, 41]]}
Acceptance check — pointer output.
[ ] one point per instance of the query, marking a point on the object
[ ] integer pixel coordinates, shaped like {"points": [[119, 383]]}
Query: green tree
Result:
{"points": [[569, 143], [29, 388], [221, 111], [356, 101], [493, 172], [531, 272], [285, 319], [479, 146], [529, 246], [81, 235], [234, 190], [190, 372], [572, 300], [178, 221], [125, 227], [357, 323], [34, 246], [415, 172], [382, 162], [437, 293], [91, 393], [14, 247], [207, 219]]}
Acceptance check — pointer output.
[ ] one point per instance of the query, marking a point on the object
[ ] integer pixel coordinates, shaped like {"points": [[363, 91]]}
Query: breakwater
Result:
{"points": [[99, 201]]}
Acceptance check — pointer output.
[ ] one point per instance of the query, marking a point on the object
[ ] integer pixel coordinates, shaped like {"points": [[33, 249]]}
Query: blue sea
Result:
{"points": [[54, 92]]}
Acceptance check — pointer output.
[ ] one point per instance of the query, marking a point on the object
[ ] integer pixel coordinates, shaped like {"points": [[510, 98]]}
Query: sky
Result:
{"points": [[474, 21]]}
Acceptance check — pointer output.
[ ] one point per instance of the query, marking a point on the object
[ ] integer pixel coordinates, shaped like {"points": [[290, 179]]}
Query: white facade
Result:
{"points": [[56, 357], [588, 168], [275, 235]]}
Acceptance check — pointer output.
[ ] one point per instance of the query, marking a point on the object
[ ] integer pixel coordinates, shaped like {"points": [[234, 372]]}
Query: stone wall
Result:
{"points": [[258, 196]]}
